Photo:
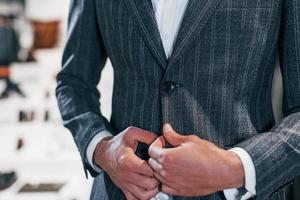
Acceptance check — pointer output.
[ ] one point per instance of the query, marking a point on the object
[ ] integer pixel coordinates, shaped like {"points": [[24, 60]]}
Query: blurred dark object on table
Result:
{"points": [[41, 187], [20, 144], [26, 116], [7, 179]]}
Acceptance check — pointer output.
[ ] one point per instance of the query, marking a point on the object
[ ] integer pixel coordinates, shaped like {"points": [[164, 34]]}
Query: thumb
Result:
{"points": [[171, 136]]}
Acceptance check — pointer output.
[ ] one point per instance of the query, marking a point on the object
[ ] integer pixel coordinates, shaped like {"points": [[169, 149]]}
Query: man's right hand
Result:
{"points": [[116, 156]]}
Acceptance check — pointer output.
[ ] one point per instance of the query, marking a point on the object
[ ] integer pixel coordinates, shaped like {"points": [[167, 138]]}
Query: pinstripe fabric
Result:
{"points": [[224, 58]]}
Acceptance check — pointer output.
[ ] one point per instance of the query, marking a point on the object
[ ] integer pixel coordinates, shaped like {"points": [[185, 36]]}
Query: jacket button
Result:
{"points": [[170, 86]]}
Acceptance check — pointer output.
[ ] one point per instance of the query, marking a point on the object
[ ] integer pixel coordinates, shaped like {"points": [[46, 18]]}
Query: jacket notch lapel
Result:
{"points": [[198, 12], [142, 11]]}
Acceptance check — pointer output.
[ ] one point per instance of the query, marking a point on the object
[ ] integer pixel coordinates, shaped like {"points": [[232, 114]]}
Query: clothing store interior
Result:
{"points": [[38, 158]]}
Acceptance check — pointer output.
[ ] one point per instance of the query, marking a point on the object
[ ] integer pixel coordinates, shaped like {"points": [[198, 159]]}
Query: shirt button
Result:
{"points": [[170, 86]]}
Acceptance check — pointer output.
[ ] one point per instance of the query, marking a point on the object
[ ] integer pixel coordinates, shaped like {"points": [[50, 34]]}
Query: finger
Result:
{"points": [[142, 181], [172, 137], [156, 150], [140, 166], [161, 179], [129, 196], [157, 167], [140, 135], [169, 190], [140, 193]]}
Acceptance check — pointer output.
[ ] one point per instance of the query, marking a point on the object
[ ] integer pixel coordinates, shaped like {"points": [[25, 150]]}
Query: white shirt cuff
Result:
{"points": [[250, 177], [92, 146]]}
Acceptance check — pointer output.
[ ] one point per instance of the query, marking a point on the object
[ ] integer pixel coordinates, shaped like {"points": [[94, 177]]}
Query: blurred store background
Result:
{"points": [[38, 159]]}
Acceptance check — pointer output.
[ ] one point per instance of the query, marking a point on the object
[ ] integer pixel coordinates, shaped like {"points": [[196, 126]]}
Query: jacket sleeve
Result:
{"points": [[83, 60], [276, 153]]}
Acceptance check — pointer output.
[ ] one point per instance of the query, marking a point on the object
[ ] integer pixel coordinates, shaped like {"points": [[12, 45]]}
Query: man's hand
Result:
{"points": [[194, 167], [116, 156]]}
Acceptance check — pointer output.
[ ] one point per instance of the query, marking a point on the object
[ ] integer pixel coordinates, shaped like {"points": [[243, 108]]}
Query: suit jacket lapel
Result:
{"points": [[142, 11], [197, 14]]}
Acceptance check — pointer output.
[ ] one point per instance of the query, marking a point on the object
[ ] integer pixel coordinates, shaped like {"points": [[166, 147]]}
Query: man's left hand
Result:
{"points": [[193, 166]]}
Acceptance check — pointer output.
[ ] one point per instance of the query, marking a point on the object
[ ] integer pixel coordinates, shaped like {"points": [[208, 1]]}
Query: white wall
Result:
{"points": [[47, 9]]}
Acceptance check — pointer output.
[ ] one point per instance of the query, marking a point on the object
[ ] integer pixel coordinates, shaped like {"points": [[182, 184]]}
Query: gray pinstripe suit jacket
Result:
{"points": [[224, 59]]}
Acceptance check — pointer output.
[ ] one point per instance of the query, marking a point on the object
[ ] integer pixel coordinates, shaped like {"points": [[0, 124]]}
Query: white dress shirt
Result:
{"points": [[169, 24]]}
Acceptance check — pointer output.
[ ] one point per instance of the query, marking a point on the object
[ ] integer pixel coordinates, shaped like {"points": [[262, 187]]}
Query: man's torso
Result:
{"points": [[223, 59]]}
